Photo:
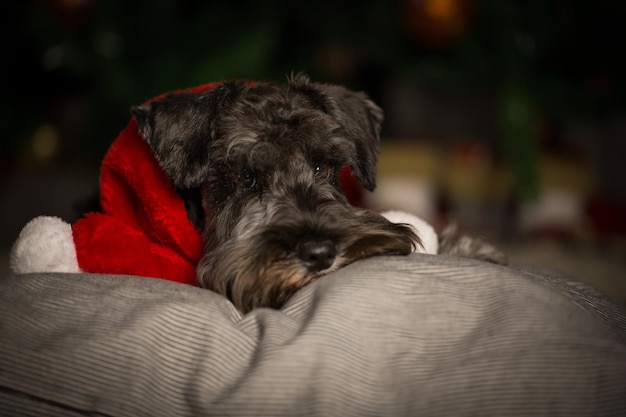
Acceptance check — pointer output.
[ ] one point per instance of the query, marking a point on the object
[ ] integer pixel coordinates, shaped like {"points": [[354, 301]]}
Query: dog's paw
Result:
{"points": [[45, 244], [426, 233]]}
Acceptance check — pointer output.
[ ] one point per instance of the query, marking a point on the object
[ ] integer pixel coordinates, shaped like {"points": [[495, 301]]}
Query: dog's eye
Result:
{"points": [[321, 170], [248, 180]]}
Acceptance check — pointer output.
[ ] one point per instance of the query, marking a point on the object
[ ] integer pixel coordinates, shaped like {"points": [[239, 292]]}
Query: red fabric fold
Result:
{"points": [[143, 228]]}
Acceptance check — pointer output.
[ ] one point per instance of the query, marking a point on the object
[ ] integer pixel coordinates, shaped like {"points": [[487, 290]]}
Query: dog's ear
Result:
{"points": [[360, 118], [180, 127]]}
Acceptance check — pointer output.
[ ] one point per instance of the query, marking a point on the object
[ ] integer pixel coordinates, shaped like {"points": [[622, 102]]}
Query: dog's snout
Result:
{"points": [[318, 254]]}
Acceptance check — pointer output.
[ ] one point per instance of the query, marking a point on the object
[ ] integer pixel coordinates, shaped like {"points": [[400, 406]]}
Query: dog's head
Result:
{"points": [[262, 161], [186, 129]]}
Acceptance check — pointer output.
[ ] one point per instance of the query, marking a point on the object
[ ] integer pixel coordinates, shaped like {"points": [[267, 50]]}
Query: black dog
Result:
{"points": [[257, 165]]}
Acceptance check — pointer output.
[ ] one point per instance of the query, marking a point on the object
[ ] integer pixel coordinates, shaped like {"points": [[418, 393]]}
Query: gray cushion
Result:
{"points": [[417, 335]]}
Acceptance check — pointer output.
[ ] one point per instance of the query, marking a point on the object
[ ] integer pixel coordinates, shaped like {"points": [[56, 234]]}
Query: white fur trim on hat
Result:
{"points": [[45, 244], [430, 241]]}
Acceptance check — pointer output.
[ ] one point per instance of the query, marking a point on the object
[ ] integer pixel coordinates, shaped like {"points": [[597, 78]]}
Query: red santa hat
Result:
{"points": [[143, 228]]}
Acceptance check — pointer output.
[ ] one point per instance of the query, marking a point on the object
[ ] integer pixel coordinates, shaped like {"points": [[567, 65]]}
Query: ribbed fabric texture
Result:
{"points": [[419, 335]]}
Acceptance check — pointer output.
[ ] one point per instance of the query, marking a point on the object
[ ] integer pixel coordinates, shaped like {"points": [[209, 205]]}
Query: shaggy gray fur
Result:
{"points": [[258, 167]]}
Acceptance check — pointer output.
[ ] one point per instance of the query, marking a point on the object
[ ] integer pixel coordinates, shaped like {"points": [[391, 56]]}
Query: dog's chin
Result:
{"points": [[251, 284]]}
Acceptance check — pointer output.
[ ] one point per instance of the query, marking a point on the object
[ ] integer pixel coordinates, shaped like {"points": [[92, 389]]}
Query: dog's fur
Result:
{"points": [[257, 165]]}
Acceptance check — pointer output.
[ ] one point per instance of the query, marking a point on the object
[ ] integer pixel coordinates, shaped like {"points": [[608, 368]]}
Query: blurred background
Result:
{"points": [[505, 115]]}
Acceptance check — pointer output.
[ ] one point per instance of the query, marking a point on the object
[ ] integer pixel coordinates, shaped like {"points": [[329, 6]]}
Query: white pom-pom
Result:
{"points": [[430, 241], [45, 244]]}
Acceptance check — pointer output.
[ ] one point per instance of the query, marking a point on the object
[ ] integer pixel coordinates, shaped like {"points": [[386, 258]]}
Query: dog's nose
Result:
{"points": [[318, 254]]}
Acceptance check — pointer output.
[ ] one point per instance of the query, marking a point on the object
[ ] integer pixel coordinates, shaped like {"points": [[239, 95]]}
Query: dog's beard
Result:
{"points": [[261, 268]]}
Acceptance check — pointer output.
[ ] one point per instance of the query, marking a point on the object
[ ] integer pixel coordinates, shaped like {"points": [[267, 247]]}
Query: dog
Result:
{"points": [[257, 165]]}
